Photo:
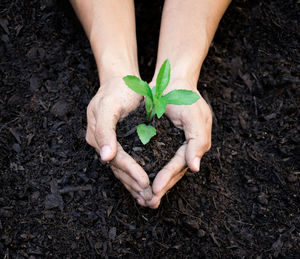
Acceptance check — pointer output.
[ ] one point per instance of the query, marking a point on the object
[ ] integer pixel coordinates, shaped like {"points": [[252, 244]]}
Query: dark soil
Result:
{"points": [[58, 201], [161, 148]]}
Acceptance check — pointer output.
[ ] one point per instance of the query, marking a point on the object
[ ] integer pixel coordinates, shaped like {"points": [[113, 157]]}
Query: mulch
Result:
{"points": [[57, 200]]}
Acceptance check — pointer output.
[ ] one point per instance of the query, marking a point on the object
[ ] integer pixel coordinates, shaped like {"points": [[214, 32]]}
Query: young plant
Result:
{"points": [[155, 101]]}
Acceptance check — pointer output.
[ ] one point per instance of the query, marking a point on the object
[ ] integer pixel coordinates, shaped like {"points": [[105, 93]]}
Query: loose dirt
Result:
{"points": [[58, 201]]}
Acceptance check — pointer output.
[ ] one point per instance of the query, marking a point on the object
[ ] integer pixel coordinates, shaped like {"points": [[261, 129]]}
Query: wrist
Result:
{"points": [[186, 58], [116, 65], [186, 70], [122, 95], [182, 72]]}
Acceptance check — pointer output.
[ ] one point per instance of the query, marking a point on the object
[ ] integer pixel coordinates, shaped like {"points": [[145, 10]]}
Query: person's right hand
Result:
{"points": [[113, 102]]}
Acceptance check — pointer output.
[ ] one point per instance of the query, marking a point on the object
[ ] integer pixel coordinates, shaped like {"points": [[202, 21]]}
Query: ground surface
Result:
{"points": [[58, 201]]}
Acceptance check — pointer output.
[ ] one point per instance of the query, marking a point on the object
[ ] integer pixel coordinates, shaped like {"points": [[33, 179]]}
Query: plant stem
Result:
{"points": [[149, 116]]}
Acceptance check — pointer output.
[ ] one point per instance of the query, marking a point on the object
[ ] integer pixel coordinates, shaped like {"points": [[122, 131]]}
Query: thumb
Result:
{"points": [[105, 132], [198, 136]]}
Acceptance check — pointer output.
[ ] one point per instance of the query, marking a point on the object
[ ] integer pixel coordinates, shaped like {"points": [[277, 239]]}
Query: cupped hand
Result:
{"points": [[196, 122], [113, 102]]}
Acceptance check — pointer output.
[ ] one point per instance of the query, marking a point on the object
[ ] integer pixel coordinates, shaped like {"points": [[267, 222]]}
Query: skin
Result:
{"points": [[187, 30]]}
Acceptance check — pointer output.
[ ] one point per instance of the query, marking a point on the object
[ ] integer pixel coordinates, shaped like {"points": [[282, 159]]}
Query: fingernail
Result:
{"points": [[105, 152], [196, 163], [147, 193]]}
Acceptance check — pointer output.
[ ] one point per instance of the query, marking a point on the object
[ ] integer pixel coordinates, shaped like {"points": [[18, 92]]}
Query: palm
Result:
{"points": [[195, 120]]}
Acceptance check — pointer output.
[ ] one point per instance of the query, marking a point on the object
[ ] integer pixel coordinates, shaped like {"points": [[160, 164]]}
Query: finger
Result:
{"points": [[126, 179], [198, 136], [168, 177], [132, 184], [155, 201], [138, 195], [119, 174], [176, 165], [90, 139], [127, 164], [141, 201], [90, 131], [105, 132]]}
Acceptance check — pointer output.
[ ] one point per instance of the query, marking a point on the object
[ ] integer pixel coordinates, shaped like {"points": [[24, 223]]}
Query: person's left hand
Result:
{"points": [[196, 121]]}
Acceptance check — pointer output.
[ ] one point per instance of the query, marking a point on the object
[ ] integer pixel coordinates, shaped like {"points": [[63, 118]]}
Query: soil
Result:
{"points": [[58, 201], [161, 148]]}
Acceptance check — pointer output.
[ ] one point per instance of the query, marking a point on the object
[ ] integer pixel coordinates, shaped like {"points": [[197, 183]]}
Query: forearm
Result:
{"points": [[187, 30], [110, 28]]}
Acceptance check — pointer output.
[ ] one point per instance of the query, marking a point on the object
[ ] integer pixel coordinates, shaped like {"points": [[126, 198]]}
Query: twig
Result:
{"points": [[128, 133], [68, 189]]}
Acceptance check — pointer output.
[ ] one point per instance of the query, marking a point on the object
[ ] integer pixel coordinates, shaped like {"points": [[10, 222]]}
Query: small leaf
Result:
{"points": [[139, 86], [181, 97], [145, 132], [160, 106], [163, 78]]}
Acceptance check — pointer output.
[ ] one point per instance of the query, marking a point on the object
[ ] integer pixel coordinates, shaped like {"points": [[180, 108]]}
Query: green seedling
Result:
{"points": [[155, 101]]}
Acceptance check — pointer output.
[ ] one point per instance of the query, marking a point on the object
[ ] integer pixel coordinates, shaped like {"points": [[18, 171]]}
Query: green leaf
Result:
{"points": [[145, 132], [139, 86], [153, 91], [160, 106], [181, 97], [163, 78]]}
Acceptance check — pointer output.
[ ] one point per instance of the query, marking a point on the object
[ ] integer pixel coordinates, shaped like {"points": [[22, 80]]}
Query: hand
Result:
{"points": [[196, 121], [113, 102]]}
